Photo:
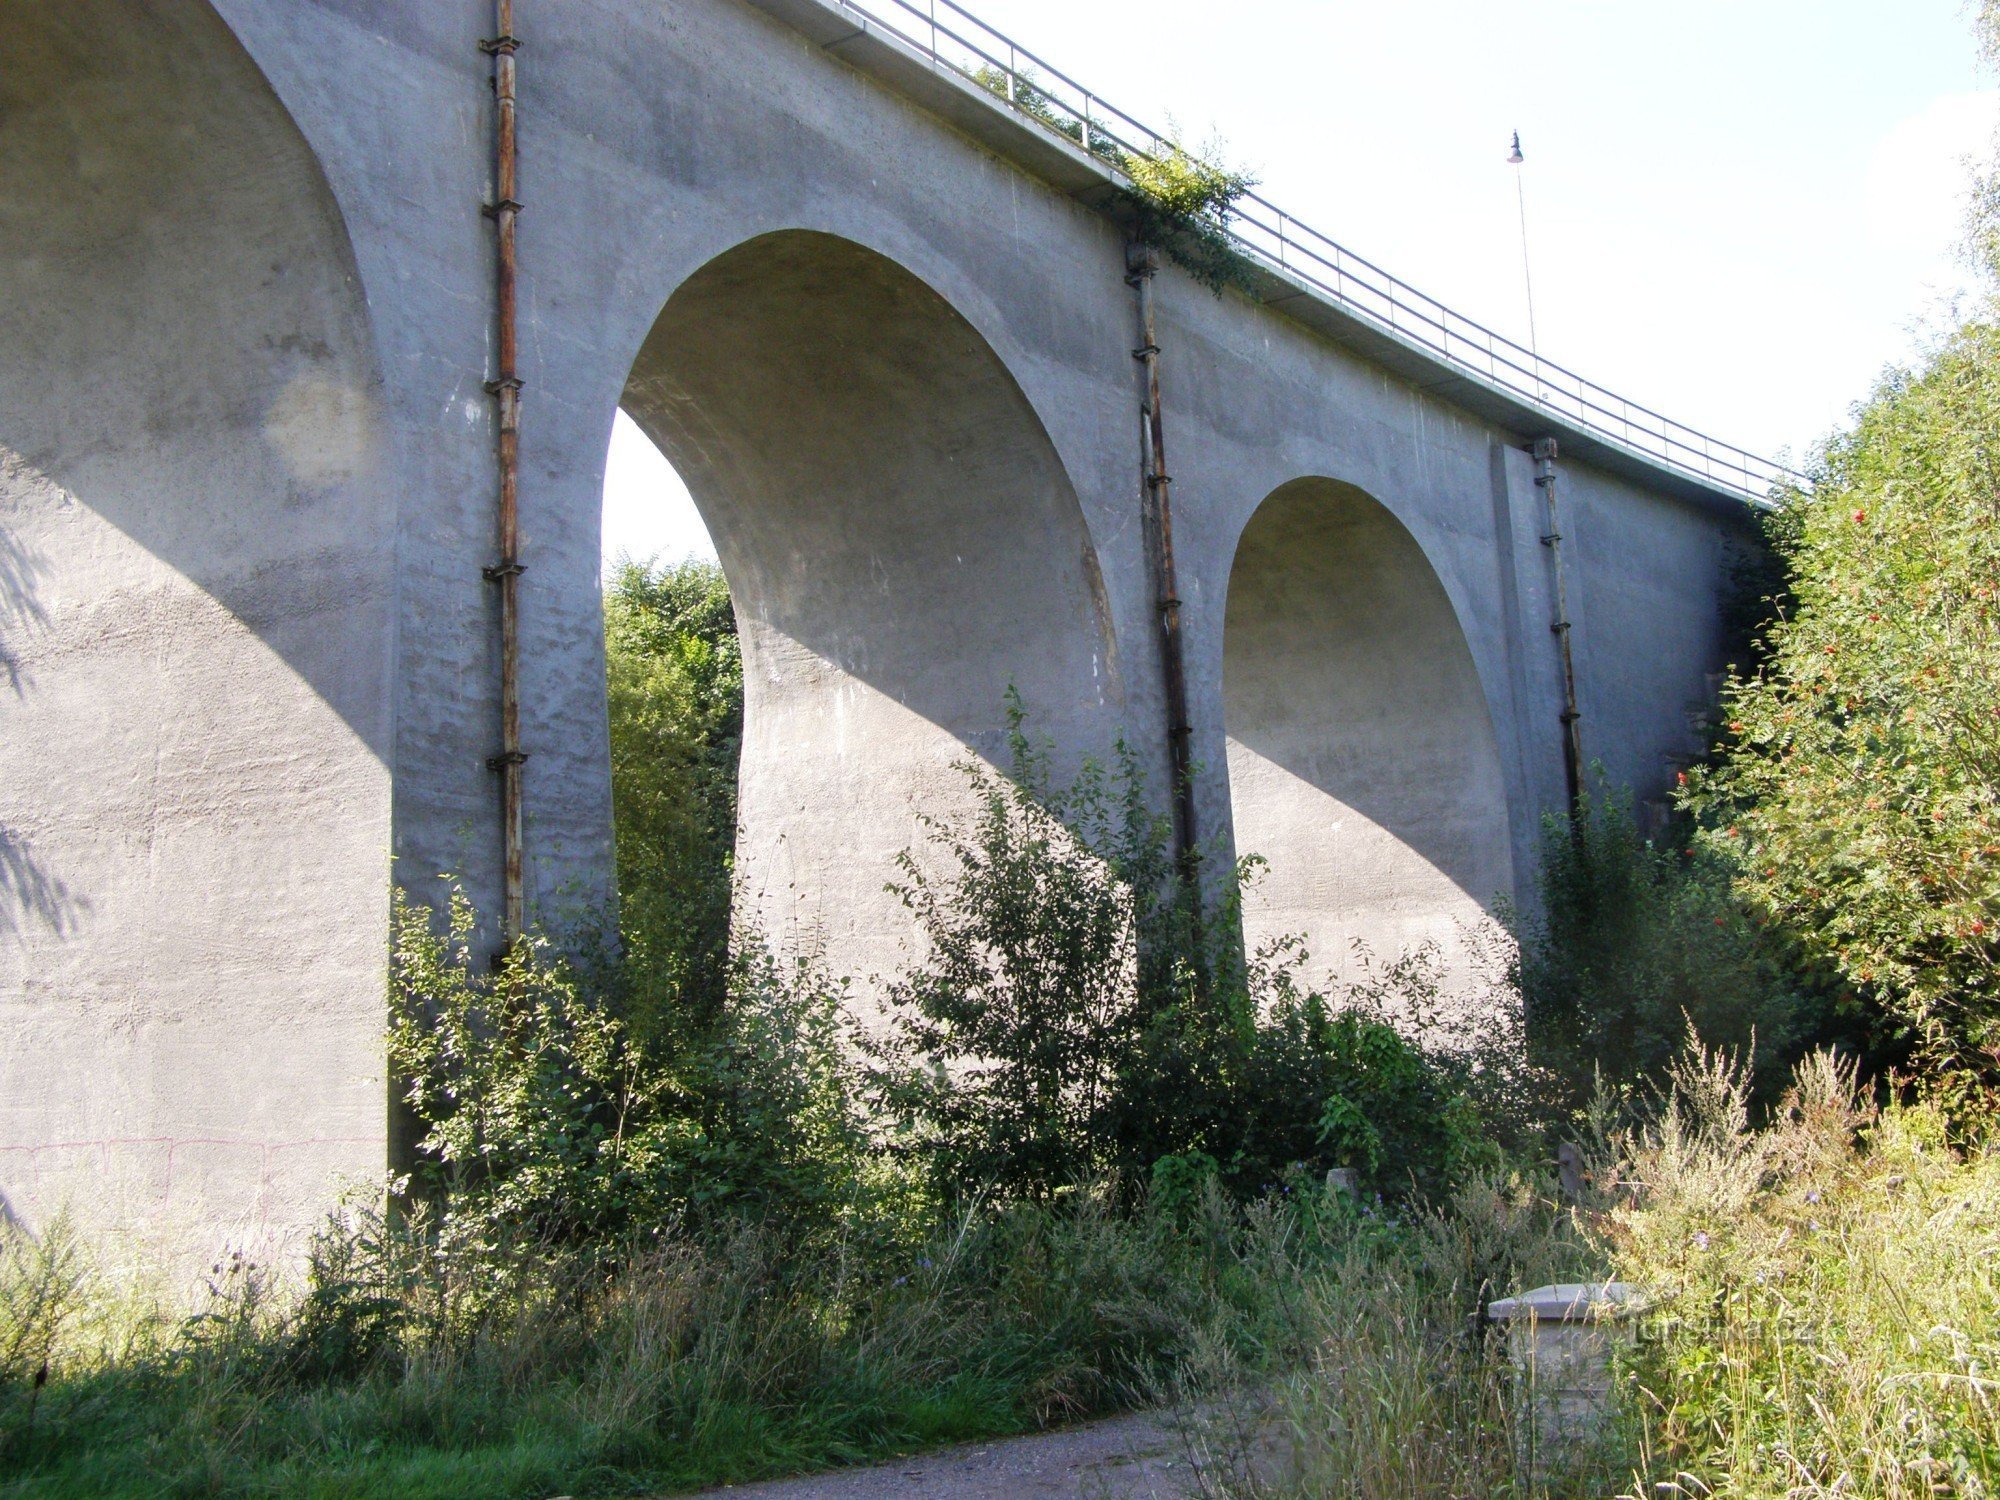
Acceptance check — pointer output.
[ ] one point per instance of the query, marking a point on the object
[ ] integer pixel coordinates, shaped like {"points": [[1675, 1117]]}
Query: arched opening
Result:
{"points": [[1362, 763], [902, 546]]}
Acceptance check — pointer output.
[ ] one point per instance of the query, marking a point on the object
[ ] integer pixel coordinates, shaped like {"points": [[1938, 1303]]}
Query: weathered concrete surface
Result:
{"points": [[1362, 762], [247, 486], [196, 590], [872, 477]]}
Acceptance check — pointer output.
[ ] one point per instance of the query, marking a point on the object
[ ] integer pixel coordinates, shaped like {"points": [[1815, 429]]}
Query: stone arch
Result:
{"points": [[196, 543], [1362, 760], [903, 545]]}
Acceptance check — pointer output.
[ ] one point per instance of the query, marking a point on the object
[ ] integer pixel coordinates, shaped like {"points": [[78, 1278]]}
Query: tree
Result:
{"points": [[675, 689], [1857, 796]]}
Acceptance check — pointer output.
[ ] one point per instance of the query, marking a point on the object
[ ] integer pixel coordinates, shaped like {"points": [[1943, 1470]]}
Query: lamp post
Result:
{"points": [[1514, 159]]}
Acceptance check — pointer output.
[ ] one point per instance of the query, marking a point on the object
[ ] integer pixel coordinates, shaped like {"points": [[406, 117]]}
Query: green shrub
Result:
{"points": [[42, 1283], [1183, 204], [1826, 1296], [1638, 940], [1053, 940], [1179, 202], [549, 1122], [1076, 1018]]}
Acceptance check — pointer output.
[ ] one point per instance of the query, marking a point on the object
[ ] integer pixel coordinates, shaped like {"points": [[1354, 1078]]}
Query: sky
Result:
{"points": [[1739, 212]]}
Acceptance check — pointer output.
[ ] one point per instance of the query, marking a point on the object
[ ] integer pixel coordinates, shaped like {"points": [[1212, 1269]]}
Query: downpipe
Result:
{"points": [[1142, 265], [1545, 452], [505, 389]]}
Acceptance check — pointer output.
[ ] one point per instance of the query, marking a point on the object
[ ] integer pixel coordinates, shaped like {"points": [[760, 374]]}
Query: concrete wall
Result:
{"points": [[197, 566], [249, 488]]}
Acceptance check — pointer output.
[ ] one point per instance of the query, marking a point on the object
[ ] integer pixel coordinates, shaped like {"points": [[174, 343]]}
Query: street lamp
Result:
{"points": [[1514, 159]]}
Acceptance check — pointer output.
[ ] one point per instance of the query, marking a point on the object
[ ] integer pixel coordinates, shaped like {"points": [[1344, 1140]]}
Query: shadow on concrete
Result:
{"points": [[31, 895], [1362, 758], [902, 544], [22, 614], [184, 356]]}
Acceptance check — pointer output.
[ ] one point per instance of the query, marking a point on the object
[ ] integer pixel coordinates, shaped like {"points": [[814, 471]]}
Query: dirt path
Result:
{"points": [[1134, 1457]]}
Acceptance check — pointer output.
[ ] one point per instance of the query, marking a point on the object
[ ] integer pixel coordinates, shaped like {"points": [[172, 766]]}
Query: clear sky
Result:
{"points": [[1739, 211]]}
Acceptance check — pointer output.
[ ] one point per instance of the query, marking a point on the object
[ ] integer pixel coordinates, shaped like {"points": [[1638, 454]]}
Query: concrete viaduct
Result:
{"points": [[878, 315]]}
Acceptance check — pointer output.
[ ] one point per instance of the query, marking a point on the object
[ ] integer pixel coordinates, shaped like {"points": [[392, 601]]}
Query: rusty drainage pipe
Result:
{"points": [[1545, 451], [505, 388], [1142, 264]]}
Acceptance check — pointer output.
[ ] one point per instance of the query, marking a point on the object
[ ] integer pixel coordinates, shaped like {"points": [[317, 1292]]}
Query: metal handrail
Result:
{"points": [[949, 36]]}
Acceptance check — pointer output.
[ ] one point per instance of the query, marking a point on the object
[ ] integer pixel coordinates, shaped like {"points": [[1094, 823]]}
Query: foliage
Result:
{"points": [[1396, 1399], [1635, 941], [1023, 90], [1180, 202], [40, 1284], [1183, 204], [681, 1361], [1826, 1293], [1384, 1106], [550, 1123], [1076, 1018], [1983, 220], [1857, 798], [675, 690]]}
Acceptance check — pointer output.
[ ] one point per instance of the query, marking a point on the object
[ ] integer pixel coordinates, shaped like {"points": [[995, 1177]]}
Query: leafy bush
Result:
{"points": [[1638, 940], [1183, 204], [551, 1123], [41, 1286], [1826, 1303], [1179, 202], [1075, 1018], [1054, 938]]}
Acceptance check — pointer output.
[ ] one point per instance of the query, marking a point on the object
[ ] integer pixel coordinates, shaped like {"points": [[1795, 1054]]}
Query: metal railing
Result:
{"points": [[951, 37]]}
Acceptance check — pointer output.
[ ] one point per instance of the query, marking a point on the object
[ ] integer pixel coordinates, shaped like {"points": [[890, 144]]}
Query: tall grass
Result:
{"points": [[1829, 1295], [1824, 1316], [1400, 1391], [695, 1361]]}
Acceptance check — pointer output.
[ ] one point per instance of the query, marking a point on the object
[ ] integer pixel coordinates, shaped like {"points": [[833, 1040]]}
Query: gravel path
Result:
{"points": [[1134, 1457]]}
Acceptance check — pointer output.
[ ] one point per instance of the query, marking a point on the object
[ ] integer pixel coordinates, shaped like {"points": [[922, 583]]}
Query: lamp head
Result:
{"points": [[1514, 157]]}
